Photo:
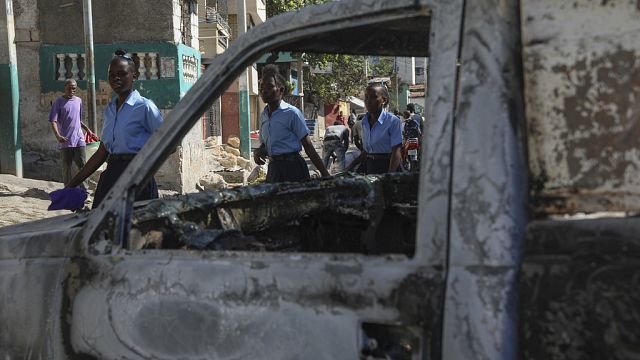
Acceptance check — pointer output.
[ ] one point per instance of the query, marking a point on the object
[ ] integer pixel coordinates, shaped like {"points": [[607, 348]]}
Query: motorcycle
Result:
{"points": [[410, 158]]}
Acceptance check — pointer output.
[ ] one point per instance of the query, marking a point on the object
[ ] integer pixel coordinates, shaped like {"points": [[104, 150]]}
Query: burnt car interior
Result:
{"points": [[347, 214]]}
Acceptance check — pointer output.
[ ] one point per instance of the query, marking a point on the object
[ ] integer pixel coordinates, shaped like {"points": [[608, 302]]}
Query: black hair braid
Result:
{"points": [[122, 54]]}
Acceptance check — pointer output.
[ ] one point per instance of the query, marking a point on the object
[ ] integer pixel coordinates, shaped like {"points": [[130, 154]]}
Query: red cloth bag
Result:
{"points": [[90, 137]]}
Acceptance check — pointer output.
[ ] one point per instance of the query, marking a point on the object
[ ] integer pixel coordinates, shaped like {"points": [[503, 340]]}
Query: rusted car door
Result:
{"points": [[581, 88], [579, 280], [166, 304]]}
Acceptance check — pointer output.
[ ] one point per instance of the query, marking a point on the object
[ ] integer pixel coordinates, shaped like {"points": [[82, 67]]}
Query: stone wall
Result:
{"points": [[34, 110], [184, 168], [113, 21]]}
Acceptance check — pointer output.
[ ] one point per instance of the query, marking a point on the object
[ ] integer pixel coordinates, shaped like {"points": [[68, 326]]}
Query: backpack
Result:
{"points": [[411, 129]]}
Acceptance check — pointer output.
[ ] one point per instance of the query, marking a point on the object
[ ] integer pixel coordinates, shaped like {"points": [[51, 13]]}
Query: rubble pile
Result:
{"points": [[226, 168]]}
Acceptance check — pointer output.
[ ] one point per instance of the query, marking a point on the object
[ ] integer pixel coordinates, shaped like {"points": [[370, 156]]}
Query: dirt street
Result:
{"points": [[25, 199]]}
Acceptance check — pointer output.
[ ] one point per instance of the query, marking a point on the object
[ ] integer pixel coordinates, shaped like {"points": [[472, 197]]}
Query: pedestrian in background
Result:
{"points": [[129, 121], [351, 122], [283, 133], [357, 134], [415, 117], [381, 134], [66, 123], [336, 140], [340, 118]]}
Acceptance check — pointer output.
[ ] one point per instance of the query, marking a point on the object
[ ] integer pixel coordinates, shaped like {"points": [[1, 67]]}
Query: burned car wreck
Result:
{"points": [[447, 263], [238, 273]]}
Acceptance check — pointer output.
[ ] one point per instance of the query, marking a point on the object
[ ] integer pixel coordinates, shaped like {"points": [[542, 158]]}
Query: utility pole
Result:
{"points": [[89, 66], [243, 90], [366, 70], [395, 72], [413, 71], [300, 85], [10, 139]]}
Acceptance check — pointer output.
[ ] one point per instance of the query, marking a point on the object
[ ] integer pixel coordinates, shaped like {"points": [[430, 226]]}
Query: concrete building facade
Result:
{"points": [[218, 28], [170, 41], [412, 78], [160, 36]]}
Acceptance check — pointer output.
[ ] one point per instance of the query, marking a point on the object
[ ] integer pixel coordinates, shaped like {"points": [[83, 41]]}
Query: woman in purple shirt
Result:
{"points": [[129, 121], [381, 134]]}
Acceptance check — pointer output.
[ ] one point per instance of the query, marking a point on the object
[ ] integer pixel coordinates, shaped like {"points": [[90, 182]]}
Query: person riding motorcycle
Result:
{"points": [[411, 141]]}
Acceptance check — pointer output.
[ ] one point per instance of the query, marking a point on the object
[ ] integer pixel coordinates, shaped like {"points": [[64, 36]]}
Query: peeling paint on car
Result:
{"points": [[581, 86]]}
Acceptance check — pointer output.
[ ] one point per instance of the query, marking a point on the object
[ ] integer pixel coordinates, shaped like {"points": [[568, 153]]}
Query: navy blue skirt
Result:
{"points": [[376, 164], [287, 167], [108, 178]]}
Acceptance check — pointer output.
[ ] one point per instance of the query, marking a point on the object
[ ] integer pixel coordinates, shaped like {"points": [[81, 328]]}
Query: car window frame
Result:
{"points": [[111, 220]]}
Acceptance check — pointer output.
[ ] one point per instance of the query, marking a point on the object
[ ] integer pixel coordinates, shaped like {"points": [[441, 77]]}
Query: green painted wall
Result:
{"points": [[186, 81], [165, 91], [10, 143]]}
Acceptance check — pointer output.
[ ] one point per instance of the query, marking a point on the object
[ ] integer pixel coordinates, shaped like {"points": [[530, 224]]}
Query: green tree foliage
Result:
{"points": [[382, 67], [347, 77], [275, 7], [348, 72]]}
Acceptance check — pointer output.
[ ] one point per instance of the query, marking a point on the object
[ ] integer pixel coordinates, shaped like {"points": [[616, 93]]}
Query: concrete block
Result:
{"points": [[211, 142], [212, 182], [234, 177], [245, 164], [22, 35], [35, 35], [231, 150], [229, 162], [234, 142]]}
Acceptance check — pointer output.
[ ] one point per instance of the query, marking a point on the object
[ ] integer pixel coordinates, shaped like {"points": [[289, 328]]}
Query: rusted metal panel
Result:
{"points": [[582, 85], [580, 290], [571, 202]]}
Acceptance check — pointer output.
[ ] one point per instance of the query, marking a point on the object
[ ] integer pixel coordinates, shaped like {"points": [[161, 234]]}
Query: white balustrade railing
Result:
{"points": [[142, 70], [154, 65], [72, 66], [189, 68], [61, 71]]}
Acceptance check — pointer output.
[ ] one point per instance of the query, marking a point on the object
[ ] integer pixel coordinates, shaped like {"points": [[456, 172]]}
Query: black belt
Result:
{"points": [[331, 138], [382, 156], [287, 156], [120, 157]]}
